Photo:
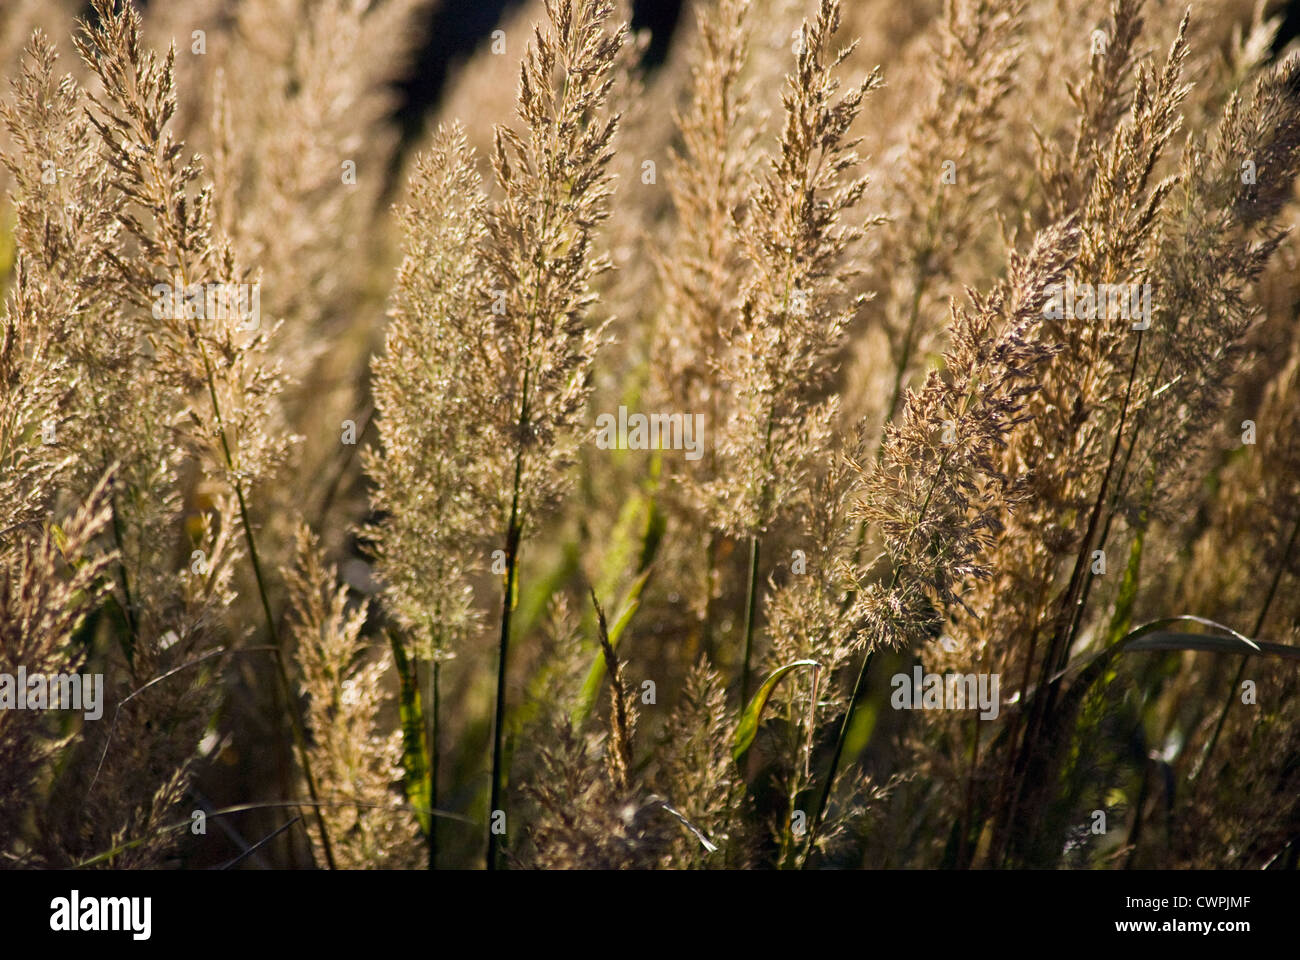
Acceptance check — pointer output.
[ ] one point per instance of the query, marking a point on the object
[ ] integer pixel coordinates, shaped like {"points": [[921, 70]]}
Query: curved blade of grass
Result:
{"points": [[747, 728], [638, 533], [1235, 642], [591, 688], [707, 844], [1155, 625], [1172, 640], [1154, 636]]}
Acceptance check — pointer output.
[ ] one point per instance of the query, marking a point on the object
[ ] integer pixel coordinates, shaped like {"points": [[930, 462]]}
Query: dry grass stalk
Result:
{"points": [[1089, 511]]}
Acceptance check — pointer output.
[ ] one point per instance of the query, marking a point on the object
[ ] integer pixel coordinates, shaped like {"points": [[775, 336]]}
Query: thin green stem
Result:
{"points": [[499, 717], [904, 361], [819, 812], [128, 610], [751, 604], [1254, 635], [435, 668], [965, 854], [513, 536], [282, 676]]}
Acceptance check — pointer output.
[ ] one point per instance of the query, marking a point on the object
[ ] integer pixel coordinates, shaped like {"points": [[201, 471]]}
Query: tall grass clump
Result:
{"points": [[966, 350]]}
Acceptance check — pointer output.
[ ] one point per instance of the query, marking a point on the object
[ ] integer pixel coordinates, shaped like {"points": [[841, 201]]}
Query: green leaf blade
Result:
{"points": [[747, 728]]}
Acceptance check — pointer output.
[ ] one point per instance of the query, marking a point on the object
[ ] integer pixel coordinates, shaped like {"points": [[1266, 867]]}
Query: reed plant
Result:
{"points": [[950, 516]]}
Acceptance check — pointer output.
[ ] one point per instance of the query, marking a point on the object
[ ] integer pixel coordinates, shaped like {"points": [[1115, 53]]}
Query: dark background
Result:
{"points": [[456, 26]]}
